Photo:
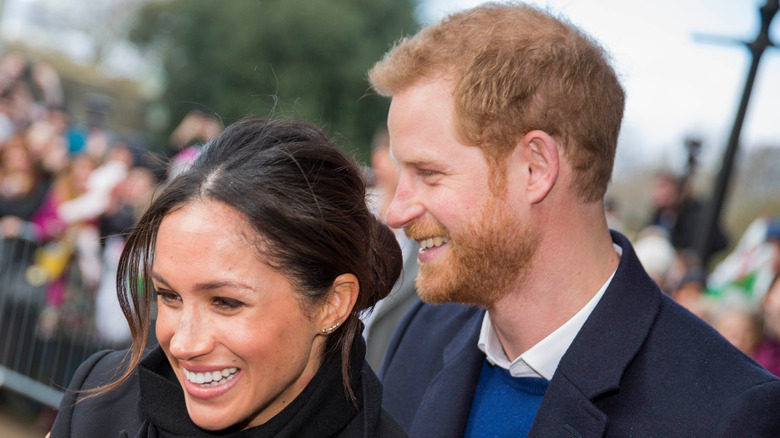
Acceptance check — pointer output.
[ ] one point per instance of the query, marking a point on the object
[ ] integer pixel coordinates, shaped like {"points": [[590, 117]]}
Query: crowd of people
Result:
{"points": [[535, 318], [69, 193], [738, 297]]}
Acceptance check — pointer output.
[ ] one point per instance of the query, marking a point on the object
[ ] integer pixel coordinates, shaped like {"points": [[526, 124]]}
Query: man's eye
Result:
{"points": [[427, 172]]}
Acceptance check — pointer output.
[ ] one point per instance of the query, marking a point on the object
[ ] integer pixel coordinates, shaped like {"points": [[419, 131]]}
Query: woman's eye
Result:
{"points": [[168, 297], [227, 303]]}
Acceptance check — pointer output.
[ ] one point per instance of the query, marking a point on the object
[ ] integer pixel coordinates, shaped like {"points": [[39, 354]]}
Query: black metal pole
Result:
{"points": [[757, 48]]}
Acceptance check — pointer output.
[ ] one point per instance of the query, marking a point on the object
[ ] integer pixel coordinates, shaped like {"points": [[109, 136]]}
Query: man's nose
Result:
{"points": [[405, 205]]}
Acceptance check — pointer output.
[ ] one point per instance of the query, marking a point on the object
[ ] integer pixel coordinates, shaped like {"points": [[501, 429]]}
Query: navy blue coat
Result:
{"points": [[640, 366], [120, 413]]}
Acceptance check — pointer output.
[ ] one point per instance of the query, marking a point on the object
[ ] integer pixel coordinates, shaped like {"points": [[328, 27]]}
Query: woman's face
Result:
{"points": [[17, 159], [81, 169], [226, 317]]}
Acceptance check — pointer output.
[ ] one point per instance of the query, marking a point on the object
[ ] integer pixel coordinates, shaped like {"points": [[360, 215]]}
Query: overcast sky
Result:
{"points": [[677, 85]]}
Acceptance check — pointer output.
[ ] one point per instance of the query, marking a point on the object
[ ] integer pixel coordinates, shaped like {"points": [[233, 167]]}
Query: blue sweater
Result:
{"points": [[504, 406]]}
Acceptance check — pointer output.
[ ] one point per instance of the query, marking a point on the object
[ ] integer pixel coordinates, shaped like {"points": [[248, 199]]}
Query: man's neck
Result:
{"points": [[566, 274]]}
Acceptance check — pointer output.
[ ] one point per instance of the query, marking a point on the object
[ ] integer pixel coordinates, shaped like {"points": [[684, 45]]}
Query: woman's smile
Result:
{"points": [[210, 384], [232, 327]]}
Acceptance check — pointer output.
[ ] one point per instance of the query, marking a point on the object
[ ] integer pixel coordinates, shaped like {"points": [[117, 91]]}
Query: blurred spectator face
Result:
{"points": [[38, 135], [48, 146], [81, 168], [21, 98], [17, 158], [138, 186], [384, 168], [122, 154], [741, 329], [689, 295], [17, 170], [12, 65], [58, 120], [665, 192], [386, 173], [656, 254]]}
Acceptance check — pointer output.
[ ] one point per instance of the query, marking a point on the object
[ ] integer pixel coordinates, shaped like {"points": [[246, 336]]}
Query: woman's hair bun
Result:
{"points": [[386, 261]]}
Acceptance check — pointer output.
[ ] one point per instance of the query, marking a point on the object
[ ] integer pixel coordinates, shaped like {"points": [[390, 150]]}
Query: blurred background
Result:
{"points": [[102, 101]]}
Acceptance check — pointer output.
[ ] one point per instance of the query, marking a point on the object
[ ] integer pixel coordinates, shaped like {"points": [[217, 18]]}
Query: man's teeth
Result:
{"points": [[212, 378], [433, 242]]}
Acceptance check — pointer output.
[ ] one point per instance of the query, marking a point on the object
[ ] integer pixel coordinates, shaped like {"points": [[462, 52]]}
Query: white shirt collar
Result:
{"points": [[542, 359]]}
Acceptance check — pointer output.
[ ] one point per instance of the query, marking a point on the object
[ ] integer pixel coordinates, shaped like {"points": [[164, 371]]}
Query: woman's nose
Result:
{"points": [[191, 337]]}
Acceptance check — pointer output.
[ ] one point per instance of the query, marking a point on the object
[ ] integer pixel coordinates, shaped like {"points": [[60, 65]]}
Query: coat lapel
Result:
{"points": [[448, 398], [566, 412], [595, 362]]}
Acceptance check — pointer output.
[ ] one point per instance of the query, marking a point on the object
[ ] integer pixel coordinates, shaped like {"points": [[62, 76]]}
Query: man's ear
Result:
{"points": [[341, 299], [540, 151]]}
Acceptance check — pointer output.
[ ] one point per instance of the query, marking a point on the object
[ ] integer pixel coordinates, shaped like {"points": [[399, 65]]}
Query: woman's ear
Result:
{"points": [[541, 158], [340, 302]]}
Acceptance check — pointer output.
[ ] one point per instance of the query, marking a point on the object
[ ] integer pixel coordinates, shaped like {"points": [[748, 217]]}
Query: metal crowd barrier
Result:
{"points": [[40, 346]]}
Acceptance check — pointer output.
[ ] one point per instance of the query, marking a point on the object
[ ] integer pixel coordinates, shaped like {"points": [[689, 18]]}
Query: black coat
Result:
{"points": [[151, 404], [641, 366]]}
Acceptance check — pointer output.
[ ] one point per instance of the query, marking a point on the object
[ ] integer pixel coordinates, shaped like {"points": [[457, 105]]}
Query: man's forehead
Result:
{"points": [[413, 155]]}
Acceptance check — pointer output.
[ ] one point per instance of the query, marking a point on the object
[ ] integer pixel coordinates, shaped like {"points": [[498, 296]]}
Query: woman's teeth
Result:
{"points": [[433, 242], [212, 378]]}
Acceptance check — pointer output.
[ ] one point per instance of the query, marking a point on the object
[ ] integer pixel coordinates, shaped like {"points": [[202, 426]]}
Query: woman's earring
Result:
{"points": [[329, 330]]}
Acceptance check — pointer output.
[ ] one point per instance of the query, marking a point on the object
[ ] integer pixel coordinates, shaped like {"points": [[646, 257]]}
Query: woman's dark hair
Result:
{"points": [[305, 199]]}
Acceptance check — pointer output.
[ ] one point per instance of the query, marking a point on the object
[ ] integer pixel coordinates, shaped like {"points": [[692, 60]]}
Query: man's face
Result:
{"points": [[474, 245]]}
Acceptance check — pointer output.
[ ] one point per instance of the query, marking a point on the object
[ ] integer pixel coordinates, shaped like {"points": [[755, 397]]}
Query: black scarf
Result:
{"points": [[322, 409]]}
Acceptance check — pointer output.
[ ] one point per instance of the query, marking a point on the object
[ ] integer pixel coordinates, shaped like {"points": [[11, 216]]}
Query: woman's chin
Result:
{"points": [[211, 424], [212, 419]]}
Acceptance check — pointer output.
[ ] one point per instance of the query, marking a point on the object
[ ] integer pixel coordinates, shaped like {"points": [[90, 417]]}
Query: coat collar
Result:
{"points": [[616, 329], [608, 341]]}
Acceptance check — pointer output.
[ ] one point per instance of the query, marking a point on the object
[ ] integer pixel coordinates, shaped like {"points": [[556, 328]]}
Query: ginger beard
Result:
{"points": [[484, 261]]}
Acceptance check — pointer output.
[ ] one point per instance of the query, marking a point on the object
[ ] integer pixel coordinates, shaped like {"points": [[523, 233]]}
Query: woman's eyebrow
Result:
{"points": [[159, 278], [210, 285]]}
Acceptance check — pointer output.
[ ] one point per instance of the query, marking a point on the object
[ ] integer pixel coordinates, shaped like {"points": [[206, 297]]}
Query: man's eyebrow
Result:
{"points": [[415, 161]]}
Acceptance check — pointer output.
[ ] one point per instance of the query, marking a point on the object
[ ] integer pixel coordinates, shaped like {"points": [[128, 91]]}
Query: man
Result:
{"points": [[537, 320], [676, 210]]}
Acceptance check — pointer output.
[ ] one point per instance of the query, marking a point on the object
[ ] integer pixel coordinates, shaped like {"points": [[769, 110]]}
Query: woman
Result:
{"points": [[69, 253], [263, 256], [22, 187]]}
